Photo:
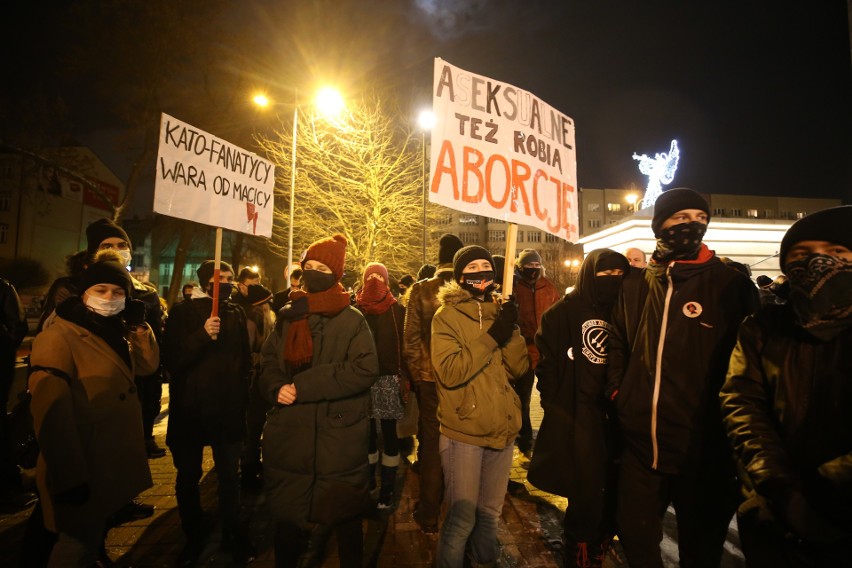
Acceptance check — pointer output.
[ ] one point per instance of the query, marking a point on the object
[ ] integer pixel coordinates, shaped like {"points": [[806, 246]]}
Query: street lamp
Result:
{"points": [[329, 102], [426, 120], [631, 200]]}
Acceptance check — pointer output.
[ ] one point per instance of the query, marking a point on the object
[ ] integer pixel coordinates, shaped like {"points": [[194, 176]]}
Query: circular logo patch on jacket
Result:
{"points": [[595, 340], [692, 309]]}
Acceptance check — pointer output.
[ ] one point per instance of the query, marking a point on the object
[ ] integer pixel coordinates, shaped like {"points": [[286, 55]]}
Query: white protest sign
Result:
{"points": [[501, 152], [203, 178]]}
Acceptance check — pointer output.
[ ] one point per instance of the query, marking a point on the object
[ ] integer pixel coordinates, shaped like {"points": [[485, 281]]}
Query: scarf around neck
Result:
{"points": [[374, 297], [299, 345]]}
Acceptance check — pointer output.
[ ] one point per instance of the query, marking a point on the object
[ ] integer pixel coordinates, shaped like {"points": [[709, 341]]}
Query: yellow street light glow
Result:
{"points": [[329, 101], [255, 268], [261, 100], [426, 119], [631, 198]]}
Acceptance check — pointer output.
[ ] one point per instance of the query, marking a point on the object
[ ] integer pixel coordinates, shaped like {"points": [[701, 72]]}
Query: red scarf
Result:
{"points": [[299, 345], [374, 297]]}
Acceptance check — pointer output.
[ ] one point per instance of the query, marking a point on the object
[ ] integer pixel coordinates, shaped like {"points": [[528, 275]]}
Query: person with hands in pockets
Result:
{"points": [[477, 349]]}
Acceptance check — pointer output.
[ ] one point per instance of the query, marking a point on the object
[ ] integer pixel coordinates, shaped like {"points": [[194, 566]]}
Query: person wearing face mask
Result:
{"points": [[576, 445], [477, 350], [534, 293], [86, 414], [786, 404], [673, 330], [104, 234], [209, 360], [318, 367]]}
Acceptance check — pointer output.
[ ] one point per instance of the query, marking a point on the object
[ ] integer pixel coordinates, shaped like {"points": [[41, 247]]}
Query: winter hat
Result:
{"points": [[107, 269], [763, 281], [407, 280], [448, 246], [103, 229], [258, 295], [612, 260], [331, 251], [205, 272], [426, 271], [466, 255], [830, 225], [526, 256], [674, 200], [376, 267]]}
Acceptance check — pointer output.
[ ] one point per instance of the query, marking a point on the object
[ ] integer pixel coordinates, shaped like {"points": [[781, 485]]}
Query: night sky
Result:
{"points": [[758, 94]]}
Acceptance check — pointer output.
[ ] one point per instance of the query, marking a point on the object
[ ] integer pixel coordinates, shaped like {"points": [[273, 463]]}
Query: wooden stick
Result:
{"points": [[217, 263], [509, 268]]}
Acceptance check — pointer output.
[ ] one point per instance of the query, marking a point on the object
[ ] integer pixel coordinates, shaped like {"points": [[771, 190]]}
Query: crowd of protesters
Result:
{"points": [[670, 381]]}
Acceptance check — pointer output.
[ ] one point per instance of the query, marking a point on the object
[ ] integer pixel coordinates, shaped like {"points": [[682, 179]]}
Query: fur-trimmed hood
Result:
{"points": [[453, 294]]}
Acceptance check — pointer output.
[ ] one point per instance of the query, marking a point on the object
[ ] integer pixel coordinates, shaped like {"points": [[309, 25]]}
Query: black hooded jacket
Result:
{"points": [[573, 342]]}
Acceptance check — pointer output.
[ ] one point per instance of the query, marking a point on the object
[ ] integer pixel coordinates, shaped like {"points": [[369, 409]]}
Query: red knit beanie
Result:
{"points": [[331, 251], [376, 267]]}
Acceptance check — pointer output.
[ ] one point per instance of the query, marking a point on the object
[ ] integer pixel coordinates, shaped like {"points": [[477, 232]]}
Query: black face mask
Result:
{"points": [[530, 274], [681, 241], [606, 289], [478, 283], [316, 281], [225, 291], [187, 297], [821, 294]]}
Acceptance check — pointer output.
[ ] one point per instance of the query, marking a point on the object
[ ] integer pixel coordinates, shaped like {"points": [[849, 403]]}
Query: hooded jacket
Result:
{"points": [[573, 341], [420, 309], [674, 327], [476, 403], [533, 299]]}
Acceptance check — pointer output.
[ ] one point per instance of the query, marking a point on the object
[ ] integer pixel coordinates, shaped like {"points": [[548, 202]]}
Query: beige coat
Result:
{"points": [[89, 428]]}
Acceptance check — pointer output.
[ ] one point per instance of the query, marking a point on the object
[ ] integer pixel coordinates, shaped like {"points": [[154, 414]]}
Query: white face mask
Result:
{"points": [[126, 257], [103, 307]]}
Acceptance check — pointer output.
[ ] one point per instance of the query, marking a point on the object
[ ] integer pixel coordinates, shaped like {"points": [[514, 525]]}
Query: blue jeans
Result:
{"points": [[475, 486]]}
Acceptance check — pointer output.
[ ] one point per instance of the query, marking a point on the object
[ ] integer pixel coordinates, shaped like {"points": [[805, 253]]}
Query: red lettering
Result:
{"points": [[473, 161], [520, 174], [446, 165], [489, 188], [542, 215]]}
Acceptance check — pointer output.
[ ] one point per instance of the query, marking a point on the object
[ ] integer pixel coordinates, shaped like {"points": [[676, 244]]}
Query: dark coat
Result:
{"points": [[698, 306], [315, 450], [786, 404], [209, 379], [576, 437], [417, 337], [387, 328], [533, 300]]}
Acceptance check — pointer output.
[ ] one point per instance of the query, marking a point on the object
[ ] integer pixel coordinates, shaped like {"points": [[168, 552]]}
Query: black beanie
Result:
{"points": [[103, 229], [257, 295], [448, 246], [832, 225], [674, 200], [205, 271], [610, 260], [106, 271], [527, 256], [426, 271], [466, 255]]}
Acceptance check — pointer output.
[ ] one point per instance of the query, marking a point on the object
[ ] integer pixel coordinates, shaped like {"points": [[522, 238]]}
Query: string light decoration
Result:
{"points": [[660, 171]]}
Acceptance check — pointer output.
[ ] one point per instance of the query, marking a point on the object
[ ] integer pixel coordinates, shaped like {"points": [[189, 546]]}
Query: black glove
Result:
{"points": [[76, 496], [294, 309], [792, 508], [502, 328], [134, 312]]}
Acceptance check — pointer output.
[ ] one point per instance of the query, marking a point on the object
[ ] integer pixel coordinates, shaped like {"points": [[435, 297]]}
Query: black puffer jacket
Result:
{"points": [[696, 308], [786, 405], [209, 379]]}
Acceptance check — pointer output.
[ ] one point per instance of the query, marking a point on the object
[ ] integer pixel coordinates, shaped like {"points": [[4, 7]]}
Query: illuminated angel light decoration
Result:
{"points": [[660, 170]]}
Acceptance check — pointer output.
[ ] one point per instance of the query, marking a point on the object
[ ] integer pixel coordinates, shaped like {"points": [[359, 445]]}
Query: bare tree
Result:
{"points": [[358, 174]]}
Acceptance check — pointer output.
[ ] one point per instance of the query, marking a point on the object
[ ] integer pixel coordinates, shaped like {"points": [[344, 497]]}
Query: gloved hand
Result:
{"points": [[294, 309], [793, 509], [507, 316], [76, 496], [134, 312]]}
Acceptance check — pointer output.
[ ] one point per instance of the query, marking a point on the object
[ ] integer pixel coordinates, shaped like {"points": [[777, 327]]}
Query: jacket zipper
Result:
{"points": [[658, 366]]}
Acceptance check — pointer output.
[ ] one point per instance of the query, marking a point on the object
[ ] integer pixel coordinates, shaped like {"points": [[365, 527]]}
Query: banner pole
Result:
{"points": [[217, 263], [509, 268]]}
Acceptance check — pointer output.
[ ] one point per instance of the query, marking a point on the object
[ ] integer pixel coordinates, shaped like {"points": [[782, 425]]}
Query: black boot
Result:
{"points": [[373, 476], [388, 487]]}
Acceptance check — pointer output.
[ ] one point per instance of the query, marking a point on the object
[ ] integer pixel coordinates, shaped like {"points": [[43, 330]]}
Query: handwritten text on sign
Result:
{"points": [[208, 180], [501, 152]]}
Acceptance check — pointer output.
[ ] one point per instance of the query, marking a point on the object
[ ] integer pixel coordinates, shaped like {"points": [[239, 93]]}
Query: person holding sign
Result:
{"points": [[477, 349], [318, 367], [207, 407]]}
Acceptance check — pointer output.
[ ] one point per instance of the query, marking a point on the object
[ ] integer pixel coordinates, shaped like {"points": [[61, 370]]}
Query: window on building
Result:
{"points": [[613, 207], [4, 233], [445, 219], [751, 213], [736, 212], [469, 238], [593, 207], [718, 212], [534, 236], [801, 214], [548, 238], [768, 213], [548, 255], [468, 220], [496, 236], [594, 223], [5, 200], [165, 270]]}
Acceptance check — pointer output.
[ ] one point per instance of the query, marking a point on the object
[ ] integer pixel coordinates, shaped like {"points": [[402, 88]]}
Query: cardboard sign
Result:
{"points": [[203, 178], [501, 152]]}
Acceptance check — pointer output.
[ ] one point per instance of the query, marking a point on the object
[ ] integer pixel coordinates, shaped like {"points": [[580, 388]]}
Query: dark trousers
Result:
{"points": [[292, 543], [390, 443], [255, 420], [523, 387], [704, 499], [150, 388], [187, 460], [428, 454], [10, 478]]}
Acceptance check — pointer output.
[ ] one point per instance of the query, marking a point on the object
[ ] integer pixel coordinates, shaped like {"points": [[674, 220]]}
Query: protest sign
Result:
{"points": [[203, 178], [501, 152]]}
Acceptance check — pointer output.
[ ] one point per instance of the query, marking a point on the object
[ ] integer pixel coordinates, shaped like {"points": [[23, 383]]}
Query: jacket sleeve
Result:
{"points": [[619, 349], [411, 335], [515, 356], [53, 413], [146, 351], [272, 376], [456, 358], [546, 338], [354, 375], [747, 413], [183, 343]]}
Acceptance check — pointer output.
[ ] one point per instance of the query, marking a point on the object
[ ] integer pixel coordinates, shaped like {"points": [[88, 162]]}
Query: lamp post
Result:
{"points": [[329, 102], [631, 200], [426, 120]]}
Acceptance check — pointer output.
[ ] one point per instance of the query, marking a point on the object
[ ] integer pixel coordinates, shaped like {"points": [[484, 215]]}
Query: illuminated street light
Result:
{"points": [[631, 199], [426, 120], [261, 100]]}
